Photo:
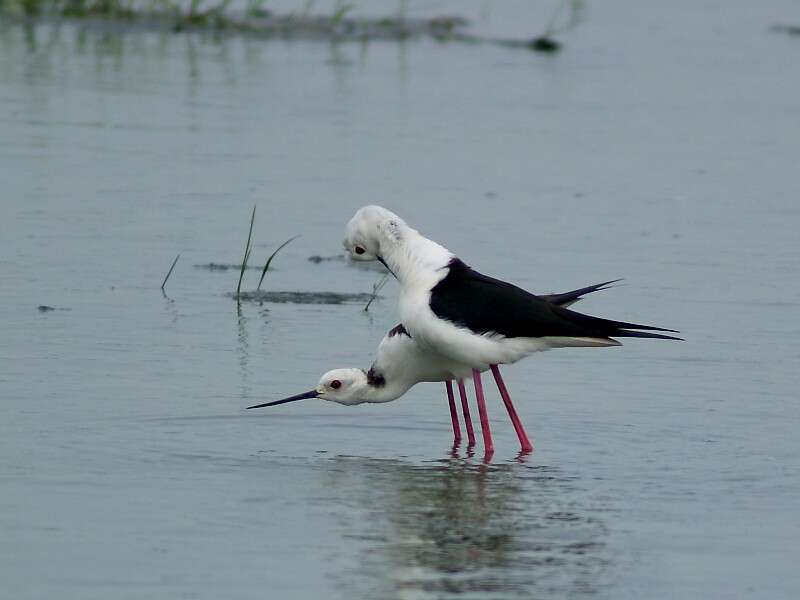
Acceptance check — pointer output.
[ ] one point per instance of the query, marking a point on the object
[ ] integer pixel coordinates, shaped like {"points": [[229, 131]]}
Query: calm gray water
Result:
{"points": [[661, 146]]}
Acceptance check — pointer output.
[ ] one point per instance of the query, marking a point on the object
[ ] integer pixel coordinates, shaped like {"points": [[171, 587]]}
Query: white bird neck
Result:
{"points": [[410, 254], [390, 390]]}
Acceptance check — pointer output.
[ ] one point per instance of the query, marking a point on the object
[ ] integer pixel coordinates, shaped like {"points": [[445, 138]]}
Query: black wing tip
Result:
{"points": [[597, 287], [605, 284]]}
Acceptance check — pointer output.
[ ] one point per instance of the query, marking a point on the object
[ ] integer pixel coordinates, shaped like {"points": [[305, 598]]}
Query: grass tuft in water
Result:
{"points": [[174, 262], [249, 17], [340, 11], [247, 249], [271, 256], [376, 287]]}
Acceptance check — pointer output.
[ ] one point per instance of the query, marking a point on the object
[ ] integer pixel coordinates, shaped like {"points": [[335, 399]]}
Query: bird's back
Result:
{"points": [[401, 358]]}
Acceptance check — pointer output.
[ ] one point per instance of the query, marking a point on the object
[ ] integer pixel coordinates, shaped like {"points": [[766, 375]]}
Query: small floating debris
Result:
{"points": [[559, 23], [544, 44], [301, 297]]}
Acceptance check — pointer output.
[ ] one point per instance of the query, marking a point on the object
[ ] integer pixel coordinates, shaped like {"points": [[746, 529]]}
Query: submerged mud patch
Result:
{"points": [[212, 266], [46, 308], [316, 259], [341, 258], [302, 297], [787, 29]]}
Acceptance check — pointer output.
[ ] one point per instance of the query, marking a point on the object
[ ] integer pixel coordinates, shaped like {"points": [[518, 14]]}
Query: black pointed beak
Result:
{"points": [[383, 262], [303, 396]]}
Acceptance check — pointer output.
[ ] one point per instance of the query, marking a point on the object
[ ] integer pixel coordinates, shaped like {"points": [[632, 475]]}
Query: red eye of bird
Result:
{"points": [[360, 250], [336, 384]]}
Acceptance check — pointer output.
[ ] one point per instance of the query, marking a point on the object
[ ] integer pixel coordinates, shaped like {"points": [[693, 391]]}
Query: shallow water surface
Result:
{"points": [[660, 146]]}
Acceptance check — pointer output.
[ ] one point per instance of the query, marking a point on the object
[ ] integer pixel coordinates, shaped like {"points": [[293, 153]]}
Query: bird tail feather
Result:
{"points": [[647, 334], [608, 328]]}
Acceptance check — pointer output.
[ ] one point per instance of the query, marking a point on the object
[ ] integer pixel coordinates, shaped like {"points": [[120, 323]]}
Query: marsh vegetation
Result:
{"points": [[254, 17]]}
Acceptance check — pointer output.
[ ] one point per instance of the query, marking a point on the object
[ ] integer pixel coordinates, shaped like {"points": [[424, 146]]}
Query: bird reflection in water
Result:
{"points": [[455, 527]]}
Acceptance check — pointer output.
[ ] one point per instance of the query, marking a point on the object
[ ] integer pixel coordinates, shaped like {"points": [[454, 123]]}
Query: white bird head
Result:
{"points": [[369, 229], [344, 386]]}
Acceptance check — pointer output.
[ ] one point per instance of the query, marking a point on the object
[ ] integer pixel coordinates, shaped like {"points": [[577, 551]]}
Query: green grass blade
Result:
{"points": [[247, 250], [271, 256], [174, 262]]}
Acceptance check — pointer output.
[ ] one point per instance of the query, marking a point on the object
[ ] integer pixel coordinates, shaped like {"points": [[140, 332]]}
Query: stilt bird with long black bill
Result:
{"points": [[453, 311]]}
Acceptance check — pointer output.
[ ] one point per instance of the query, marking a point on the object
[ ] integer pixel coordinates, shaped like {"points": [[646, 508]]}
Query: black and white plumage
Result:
{"points": [[467, 316], [401, 363], [498, 307], [455, 322]]}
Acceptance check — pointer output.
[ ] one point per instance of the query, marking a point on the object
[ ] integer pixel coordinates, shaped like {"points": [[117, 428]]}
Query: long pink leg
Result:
{"points": [[512, 412], [488, 446], [465, 409], [453, 414]]}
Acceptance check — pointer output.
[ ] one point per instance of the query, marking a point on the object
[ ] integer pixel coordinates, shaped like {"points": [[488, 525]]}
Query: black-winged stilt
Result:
{"points": [[474, 320], [401, 363]]}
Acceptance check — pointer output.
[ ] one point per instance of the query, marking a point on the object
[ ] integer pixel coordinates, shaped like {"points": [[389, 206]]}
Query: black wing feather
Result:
{"points": [[487, 305], [398, 329]]}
